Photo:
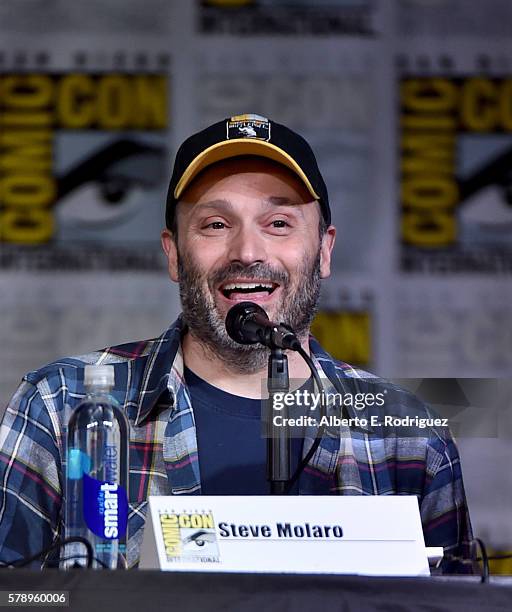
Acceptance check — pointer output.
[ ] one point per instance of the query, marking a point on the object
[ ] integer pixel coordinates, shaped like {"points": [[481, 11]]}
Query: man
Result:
{"points": [[247, 218]]}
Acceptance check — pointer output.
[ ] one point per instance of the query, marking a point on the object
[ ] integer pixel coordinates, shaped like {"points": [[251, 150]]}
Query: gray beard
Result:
{"points": [[207, 325]]}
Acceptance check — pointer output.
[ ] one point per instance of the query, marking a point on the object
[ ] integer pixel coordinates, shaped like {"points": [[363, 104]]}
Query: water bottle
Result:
{"points": [[96, 500]]}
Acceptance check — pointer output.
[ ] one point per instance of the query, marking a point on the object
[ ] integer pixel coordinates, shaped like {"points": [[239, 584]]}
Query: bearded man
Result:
{"points": [[248, 219]]}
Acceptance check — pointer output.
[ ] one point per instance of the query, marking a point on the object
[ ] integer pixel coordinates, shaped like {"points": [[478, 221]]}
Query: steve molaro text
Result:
{"points": [[280, 530]]}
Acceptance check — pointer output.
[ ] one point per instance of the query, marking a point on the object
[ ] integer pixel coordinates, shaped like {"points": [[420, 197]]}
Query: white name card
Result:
{"points": [[306, 534]]}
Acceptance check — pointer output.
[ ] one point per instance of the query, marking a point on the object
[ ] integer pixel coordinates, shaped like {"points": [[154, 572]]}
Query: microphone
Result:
{"points": [[248, 323]]}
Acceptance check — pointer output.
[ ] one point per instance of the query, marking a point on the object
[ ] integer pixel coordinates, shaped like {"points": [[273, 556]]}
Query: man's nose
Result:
{"points": [[247, 246]]}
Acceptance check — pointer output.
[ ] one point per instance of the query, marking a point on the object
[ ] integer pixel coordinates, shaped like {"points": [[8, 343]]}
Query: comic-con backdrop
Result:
{"points": [[408, 105]]}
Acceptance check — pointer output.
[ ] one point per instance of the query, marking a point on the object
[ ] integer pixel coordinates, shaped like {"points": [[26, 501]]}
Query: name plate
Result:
{"points": [[308, 534]]}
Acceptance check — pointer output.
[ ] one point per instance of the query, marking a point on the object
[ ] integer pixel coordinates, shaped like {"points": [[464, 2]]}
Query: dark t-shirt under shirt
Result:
{"points": [[231, 447]]}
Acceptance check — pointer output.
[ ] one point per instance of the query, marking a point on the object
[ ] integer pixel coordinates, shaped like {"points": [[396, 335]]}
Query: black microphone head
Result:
{"points": [[236, 317]]}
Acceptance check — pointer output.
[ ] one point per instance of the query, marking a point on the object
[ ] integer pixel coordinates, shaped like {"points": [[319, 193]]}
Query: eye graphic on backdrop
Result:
{"points": [[103, 190], [486, 199]]}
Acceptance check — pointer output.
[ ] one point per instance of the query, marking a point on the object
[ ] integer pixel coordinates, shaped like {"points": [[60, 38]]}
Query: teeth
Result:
{"points": [[234, 286]]}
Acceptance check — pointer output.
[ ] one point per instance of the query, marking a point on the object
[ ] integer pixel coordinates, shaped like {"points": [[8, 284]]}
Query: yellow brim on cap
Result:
{"points": [[233, 148]]}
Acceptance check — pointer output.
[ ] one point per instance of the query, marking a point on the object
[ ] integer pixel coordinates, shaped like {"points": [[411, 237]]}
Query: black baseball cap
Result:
{"points": [[246, 135]]}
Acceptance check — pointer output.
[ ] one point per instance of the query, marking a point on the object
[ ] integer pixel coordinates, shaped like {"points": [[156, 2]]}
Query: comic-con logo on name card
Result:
{"points": [[83, 159], [189, 536], [455, 173]]}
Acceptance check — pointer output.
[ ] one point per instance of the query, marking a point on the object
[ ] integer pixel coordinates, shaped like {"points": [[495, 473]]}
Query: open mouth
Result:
{"points": [[239, 288]]}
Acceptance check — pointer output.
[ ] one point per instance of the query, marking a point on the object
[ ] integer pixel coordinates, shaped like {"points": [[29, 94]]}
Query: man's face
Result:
{"points": [[247, 231]]}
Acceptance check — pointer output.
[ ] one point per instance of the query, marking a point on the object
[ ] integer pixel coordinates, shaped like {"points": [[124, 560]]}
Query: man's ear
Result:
{"points": [[171, 251], [328, 240]]}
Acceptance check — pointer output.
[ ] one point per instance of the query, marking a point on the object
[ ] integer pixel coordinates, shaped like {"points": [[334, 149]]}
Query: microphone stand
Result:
{"points": [[278, 438]]}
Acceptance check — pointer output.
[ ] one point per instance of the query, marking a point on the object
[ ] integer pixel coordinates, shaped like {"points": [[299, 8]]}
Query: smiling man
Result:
{"points": [[246, 229], [247, 218]]}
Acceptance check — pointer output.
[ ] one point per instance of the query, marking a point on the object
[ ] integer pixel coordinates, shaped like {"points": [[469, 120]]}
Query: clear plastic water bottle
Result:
{"points": [[97, 475]]}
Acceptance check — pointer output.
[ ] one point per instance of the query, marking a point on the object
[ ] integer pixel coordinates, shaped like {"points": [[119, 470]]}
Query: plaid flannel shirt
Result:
{"points": [[164, 458]]}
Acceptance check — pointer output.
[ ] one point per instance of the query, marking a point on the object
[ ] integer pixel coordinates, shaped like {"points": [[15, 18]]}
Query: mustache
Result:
{"points": [[251, 272]]}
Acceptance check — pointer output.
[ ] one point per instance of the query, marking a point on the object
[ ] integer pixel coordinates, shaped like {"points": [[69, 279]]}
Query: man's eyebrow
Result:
{"points": [[227, 205], [284, 201], [280, 201], [214, 204]]}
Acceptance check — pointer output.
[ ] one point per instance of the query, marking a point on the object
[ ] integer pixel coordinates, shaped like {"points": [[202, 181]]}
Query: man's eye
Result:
{"points": [[216, 225], [279, 223]]}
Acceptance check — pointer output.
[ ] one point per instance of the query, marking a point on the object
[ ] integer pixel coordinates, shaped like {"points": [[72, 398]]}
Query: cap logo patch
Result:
{"points": [[248, 126]]}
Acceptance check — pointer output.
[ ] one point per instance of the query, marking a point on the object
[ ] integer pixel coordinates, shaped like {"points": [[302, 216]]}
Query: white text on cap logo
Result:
{"points": [[248, 126]]}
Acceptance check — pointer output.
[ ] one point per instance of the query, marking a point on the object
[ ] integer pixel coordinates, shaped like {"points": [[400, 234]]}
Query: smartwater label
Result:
{"points": [[105, 508]]}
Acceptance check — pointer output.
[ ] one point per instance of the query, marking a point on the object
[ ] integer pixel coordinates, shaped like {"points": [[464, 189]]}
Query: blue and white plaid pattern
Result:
{"points": [[164, 458]]}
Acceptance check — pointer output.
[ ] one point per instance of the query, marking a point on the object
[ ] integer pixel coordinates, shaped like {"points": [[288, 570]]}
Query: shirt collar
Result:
{"points": [[163, 371]]}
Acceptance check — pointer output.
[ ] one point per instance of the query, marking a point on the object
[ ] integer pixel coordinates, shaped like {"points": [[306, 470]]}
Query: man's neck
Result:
{"points": [[216, 372]]}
